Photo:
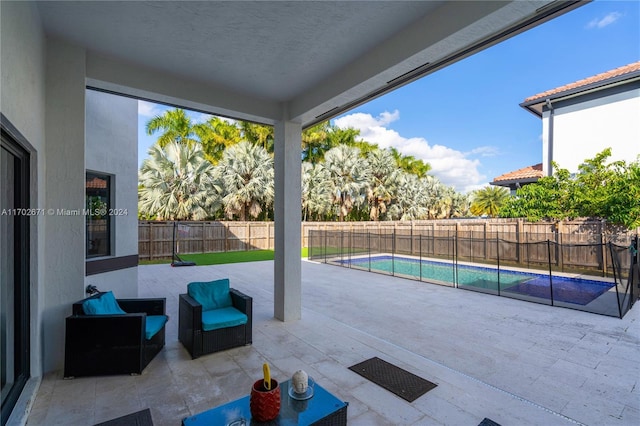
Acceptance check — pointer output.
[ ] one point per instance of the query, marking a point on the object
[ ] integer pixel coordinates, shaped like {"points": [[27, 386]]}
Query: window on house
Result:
{"points": [[98, 204]]}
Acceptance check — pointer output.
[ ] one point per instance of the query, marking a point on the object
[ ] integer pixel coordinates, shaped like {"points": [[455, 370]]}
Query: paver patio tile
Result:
{"points": [[593, 410], [511, 361], [393, 409]]}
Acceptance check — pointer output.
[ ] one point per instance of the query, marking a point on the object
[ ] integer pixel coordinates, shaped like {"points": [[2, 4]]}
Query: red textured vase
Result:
{"points": [[264, 404]]}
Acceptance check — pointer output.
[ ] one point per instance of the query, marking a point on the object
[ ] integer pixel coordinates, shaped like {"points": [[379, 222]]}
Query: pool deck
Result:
{"points": [[513, 362]]}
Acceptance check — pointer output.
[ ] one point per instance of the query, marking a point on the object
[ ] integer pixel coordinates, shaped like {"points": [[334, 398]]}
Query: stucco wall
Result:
{"points": [[581, 130], [22, 99], [64, 234], [112, 148], [43, 83]]}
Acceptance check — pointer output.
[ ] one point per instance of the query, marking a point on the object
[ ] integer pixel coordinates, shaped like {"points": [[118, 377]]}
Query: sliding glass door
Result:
{"points": [[14, 271]]}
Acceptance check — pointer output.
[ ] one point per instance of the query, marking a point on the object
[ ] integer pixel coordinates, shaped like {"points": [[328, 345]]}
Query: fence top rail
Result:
{"points": [[489, 235]]}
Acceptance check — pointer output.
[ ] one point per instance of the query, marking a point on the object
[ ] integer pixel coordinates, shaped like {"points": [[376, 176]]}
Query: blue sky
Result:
{"points": [[465, 120]]}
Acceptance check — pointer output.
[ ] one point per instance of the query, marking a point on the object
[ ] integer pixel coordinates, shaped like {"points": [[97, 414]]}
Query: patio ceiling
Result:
{"points": [[269, 61]]}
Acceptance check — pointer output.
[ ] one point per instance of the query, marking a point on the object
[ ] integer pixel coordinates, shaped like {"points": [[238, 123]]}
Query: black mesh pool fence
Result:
{"points": [[599, 277]]}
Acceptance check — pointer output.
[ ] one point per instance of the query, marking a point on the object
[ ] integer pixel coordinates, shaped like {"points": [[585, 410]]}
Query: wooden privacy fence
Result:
{"points": [[155, 238]]}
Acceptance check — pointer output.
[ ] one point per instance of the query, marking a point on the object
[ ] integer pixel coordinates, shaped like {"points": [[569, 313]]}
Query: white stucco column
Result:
{"points": [[287, 210], [65, 193]]}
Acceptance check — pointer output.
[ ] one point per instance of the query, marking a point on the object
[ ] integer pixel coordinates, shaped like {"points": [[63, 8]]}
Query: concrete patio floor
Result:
{"points": [[513, 362]]}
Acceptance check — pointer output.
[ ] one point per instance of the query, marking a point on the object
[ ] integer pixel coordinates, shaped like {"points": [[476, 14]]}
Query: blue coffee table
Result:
{"points": [[323, 409]]}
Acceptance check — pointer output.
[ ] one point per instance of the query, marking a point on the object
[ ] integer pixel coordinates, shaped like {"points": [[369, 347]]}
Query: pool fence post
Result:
{"points": [[526, 236], [393, 253], [634, 270], [550, 276], [603, 252], [637, 267], [342, 247], [420, 254], [325, 244], [369, 247], [615, 278], [350, 247], [498, 259], [455, 254], [412, 251]]}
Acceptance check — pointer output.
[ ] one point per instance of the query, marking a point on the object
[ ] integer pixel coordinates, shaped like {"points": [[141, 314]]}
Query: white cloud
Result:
{"points": [[450, 166], [485, 151], [199, 117], [148, 109], [607, 20]]}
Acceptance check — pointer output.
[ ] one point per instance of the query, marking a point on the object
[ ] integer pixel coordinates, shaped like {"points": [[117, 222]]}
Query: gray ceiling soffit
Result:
{"points": [[542, 15]]}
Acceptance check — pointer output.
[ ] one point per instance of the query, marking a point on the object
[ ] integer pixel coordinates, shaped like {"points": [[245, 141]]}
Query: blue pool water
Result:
{"points": [[570, 290]]}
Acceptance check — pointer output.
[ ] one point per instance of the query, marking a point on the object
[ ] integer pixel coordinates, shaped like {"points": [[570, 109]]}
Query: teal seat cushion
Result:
{"points": [[212, 294], [154, 324], [106, 304], [222, 318]]}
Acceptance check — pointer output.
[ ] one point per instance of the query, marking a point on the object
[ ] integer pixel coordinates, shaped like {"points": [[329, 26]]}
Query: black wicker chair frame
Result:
{"points": [[199, 342], [112, 344]]}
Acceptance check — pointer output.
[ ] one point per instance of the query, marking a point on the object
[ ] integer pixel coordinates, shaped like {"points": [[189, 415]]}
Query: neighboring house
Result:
{"points": [[523, 176], [581, 119]]}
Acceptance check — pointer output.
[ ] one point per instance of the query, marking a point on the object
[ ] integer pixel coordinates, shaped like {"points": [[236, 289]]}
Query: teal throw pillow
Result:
{"points": [[211, 295], [105, 304]]}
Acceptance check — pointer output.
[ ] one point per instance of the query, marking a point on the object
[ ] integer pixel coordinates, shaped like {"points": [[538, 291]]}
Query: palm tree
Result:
{"points": [[410, 164], [246, 174], [316, 190], [350, 175], [460, 205], [258, 134], [176, 183], [339, 136], [176, 127], [216, 135], [381, 188], [488, 200], [411, 197], [438, 197], [444, 203], [315, 142]]}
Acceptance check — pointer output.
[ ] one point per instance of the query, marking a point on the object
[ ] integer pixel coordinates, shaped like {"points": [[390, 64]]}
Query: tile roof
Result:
{"points": [[96, 183], [530, 172], [587, 81]]}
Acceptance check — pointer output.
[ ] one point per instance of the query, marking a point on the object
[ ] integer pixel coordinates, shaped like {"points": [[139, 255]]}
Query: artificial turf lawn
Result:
{"points": [[224, 257]]}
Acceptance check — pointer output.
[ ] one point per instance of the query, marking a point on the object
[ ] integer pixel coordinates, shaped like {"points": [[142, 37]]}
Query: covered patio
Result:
{"points": [[286, 64], [506, 360]]}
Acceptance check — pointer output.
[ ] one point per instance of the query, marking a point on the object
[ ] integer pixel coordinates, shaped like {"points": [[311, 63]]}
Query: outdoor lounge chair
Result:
{"points": [[105, 335], [214, 317]]}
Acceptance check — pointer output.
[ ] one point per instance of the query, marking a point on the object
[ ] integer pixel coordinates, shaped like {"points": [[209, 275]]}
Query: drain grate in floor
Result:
{"points": [[140, 418], [402, 383]]}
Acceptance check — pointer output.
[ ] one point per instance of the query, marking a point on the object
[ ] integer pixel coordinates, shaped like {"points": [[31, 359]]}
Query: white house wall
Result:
{"points": [[43, 97], [112, 148], [22, 99], [64, 168], [581, 130]]}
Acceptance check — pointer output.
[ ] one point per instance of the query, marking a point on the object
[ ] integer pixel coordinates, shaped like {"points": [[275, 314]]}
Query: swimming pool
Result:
{"points": [[577, 291]]}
